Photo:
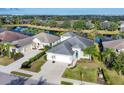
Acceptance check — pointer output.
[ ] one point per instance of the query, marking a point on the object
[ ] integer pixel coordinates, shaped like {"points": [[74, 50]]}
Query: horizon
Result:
{"points": [[62, 11]]}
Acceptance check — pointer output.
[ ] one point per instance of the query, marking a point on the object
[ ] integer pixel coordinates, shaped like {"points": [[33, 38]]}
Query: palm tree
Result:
{"points": [[106, 53], [92, 51]]}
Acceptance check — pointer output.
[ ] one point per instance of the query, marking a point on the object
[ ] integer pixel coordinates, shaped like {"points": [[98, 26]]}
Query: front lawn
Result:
{"points": [[6, 60], [112, 78], [20, 74], [89, 72], [36, 65]]}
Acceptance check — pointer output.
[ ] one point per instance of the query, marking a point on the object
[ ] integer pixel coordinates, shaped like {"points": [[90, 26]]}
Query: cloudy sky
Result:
{"points": [[62, 11]]}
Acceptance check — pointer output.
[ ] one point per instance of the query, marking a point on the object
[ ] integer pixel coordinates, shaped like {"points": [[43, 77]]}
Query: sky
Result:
{"points": [[62, 11]]}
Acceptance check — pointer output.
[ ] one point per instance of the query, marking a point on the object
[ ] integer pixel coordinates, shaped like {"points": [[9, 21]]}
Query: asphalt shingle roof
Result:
{"points": [[46, 38], [23, 42], [9, 36], [66, 46], [115, 44]]}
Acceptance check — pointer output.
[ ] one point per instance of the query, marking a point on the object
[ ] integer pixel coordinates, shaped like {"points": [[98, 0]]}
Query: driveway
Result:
{"points": [[50, 72]]}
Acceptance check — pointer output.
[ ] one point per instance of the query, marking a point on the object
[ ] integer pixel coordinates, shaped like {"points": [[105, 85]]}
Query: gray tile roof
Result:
{"points": [[69, 34], [22, 42], [115, 44], [66, 46], [46, 38]]}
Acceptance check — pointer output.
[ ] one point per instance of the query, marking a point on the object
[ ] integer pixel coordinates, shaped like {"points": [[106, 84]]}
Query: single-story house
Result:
{"points": [[117, 45], [35, 42], [22, 45], [69, 50], [44, 39], [9, 36], [67, 35]]}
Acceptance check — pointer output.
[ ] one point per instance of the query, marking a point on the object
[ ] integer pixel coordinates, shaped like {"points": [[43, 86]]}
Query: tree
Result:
{"points": [[113, 26], [1, 23], [66, 24], [106, 54], [93, 51], [52, 24], [33, 21], [119, 63], [16, 20], [79, 25]]}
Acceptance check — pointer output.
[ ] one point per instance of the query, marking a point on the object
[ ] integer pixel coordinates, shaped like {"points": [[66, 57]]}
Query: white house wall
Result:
{"points": [[24, 49], [65, 38], [60, 58]]}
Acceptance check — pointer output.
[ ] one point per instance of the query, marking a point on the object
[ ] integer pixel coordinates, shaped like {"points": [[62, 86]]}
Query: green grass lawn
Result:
{"points": [[89, 71], [6, 61], [36, 65], [20, 74], [112, 78]]}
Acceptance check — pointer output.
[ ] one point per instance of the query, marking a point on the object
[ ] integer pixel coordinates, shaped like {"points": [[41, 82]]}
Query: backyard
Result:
{"points": [[87, 69], [36, 65], [6, 60]]}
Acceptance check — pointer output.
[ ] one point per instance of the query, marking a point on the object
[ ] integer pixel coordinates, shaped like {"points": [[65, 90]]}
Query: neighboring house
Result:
{"points": [[122, 27], [67, 35], [117, 45], [9, 36], [38, 41], [22, 45], [105, 24], [70, 50], [44, 39]]}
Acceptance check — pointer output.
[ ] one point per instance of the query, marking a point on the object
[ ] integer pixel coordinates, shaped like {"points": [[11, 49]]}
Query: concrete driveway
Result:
{"points": [[50, 72]]}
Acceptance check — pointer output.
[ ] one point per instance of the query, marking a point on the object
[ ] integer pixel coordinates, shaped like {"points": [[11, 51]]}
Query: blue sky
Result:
{"points": [[62, 11]]}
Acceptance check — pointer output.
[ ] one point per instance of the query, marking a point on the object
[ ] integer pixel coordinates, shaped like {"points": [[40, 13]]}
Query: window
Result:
{"points": [[76, 54]]}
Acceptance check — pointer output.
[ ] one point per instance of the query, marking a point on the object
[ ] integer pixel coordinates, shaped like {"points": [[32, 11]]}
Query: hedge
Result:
{"points": [[27, 64]]}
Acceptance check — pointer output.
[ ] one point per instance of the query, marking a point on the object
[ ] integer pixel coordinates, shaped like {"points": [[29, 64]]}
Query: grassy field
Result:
{"points": [[89, 72], [36, 66], [6, 61], [20, 74]]}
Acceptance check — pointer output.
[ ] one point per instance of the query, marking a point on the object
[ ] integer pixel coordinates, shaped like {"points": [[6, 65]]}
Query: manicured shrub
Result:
{"points": [[28, 63], [18, 56]]}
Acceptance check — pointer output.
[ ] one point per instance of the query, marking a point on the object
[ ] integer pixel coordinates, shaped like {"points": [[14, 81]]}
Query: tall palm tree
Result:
{"points": [[106, 53], [92, 51]]}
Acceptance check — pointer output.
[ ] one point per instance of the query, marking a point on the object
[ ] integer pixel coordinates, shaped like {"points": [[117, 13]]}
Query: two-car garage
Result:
{"points": [[60, 58]]}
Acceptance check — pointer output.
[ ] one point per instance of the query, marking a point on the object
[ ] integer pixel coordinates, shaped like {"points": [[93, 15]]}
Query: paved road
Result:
{"points": [[17, 64], [77, 82], [50, 73]]}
